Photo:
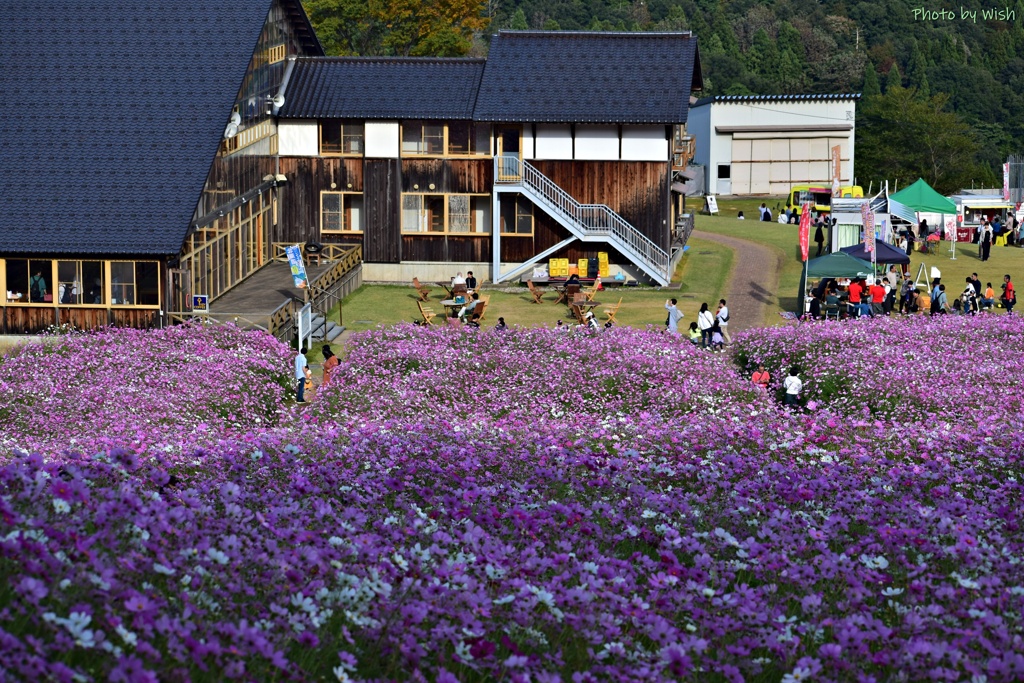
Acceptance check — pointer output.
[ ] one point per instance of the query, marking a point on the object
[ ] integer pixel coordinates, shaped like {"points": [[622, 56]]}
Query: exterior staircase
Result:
{"points": [[585, 222], [323, 329]]}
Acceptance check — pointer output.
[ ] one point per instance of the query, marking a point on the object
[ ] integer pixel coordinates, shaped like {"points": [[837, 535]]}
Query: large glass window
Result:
{"points": [[17, 280], [465, 137], [423, 213], [341, 137], [341, 212], [135, 283], [422, 137], [80, 282], [517, 217], [438, 213]]}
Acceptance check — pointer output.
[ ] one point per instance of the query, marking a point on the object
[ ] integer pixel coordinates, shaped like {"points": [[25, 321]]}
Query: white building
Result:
{"points": [[765, 144]]}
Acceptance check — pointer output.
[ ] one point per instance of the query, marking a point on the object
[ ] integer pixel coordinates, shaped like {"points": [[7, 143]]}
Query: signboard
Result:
{"points": [[294, 253], [836, 169], [712, 204], [305, 325], [200, 303], [1006, 182], [805, 230], [950, 229], [867, 217]]}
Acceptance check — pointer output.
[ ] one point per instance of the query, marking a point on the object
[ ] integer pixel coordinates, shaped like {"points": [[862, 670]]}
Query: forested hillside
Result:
{"points": [[944, 87]]}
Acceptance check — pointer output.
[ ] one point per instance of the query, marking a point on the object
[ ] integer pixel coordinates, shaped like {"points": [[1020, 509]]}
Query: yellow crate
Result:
{"points": [[602, 257], [602, 268], [581, 264]]}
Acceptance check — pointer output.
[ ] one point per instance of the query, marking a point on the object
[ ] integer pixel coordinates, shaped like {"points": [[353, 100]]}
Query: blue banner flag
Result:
{"points": [[294, 253]]}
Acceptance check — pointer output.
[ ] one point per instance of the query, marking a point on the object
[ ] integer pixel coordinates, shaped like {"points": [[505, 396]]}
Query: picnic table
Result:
{"points": [[451, 307], [581, 308]]}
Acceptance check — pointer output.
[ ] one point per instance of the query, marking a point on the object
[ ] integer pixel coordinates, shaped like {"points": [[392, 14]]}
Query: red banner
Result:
{"points": [[805, 230]]}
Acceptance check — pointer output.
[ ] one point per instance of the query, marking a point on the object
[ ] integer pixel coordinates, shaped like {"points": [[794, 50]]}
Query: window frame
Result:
{"points": [[446, 148], [517, 213], [446, 218], [345, 209], [115, 302], [342, 124]]}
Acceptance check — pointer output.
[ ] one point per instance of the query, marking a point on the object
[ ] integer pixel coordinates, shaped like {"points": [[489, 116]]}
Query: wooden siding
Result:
{"points": [[636, 190], [547, 232], [446, 248], [300, 198], [382, 241], [448, 176], [35, 319]]}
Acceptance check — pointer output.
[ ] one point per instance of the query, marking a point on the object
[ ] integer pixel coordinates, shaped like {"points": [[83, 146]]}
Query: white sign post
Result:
{"points": [[712, 204], [304, 323]]}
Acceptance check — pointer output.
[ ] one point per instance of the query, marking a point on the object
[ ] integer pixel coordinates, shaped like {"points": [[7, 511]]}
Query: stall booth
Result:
{"points": [[974, 209], [929, 205], [832, 266], [885, 254]]}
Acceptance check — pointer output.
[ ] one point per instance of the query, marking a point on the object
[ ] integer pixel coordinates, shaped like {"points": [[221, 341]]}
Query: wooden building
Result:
{"points": [[144, 144], [559, 144], [161, 158]]}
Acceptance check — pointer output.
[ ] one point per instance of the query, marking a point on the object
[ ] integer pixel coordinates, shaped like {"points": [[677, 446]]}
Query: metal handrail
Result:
{"points": [[594, 219]]}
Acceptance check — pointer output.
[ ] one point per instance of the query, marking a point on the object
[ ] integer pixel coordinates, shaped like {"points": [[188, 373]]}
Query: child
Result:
{"points": [[502, 326], [717, 341], [307, 384], [694, 334], [793, 387]]}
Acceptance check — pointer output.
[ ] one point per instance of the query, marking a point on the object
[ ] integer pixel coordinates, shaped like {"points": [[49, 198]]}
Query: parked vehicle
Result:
{"points": [[820, 197]]}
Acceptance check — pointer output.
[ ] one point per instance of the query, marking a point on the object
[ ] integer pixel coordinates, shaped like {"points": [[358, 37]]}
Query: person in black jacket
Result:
{"points": [[819, 236]]}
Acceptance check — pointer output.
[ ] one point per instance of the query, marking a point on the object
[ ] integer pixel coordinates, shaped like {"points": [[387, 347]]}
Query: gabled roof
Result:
{"points": [[751, 99], [383, 88], [116, 110], [589, 77]]}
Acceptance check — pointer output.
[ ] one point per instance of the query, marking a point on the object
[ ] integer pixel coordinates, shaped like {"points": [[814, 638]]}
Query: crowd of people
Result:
{"points": [[897, 292]]}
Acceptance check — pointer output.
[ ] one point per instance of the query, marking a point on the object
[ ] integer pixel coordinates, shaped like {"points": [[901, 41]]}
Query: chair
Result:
{"points": [[423, 291], [832, 311], [535, 291], [460, 290], [481, 307], [578, 298], [610, 312], [427, 313], [592, 290]]}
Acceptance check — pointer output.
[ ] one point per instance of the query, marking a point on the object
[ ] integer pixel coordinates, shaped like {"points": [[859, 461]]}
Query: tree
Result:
{"points": [[871, 87], [903, 135], [893, 78], [518, 21], [440, 28]]}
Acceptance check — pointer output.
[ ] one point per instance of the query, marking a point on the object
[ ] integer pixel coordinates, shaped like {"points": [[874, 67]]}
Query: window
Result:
{"points": [[341, 212], [517, 217], [465, 137], [29, 281], [80, 282], [724, 172], [422, 137], [134, 283], [437, 213], [341, 137]]}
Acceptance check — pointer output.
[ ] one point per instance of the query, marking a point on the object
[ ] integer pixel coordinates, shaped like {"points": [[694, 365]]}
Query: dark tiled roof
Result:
{"points": [[115, 112], [748, 99], [589, 77], [383, 88]]}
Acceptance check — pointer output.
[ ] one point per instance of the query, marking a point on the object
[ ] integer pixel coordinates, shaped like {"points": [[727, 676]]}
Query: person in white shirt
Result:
{"points": [[705, 321], [674, 316], [793, 386], [458, 279], [722, 316]]}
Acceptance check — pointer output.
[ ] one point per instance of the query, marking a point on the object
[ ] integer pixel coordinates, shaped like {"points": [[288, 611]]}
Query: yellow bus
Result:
{"points": [[820, 196]]}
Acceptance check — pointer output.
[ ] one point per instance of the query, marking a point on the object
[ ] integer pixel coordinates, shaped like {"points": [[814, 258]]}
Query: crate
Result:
{"points": [[592, 267], [602, 264], [574, 269], [581, 266], [558, 267]]}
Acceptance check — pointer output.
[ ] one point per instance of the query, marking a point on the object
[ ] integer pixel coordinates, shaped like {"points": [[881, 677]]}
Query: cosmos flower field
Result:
{"points": [[527, 505]]}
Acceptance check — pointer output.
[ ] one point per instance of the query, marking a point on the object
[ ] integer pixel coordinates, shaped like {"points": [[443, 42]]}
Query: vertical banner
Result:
{"points": [[867, 217], [951, 229], [805, 230], [836, 170], [1006, 182], [294, 253]]}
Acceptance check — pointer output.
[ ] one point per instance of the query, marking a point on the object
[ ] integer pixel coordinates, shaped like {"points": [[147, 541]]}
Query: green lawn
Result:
{"points": [[703, 272]]}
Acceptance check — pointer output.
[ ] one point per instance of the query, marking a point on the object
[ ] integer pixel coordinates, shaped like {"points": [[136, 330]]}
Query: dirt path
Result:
{"points": [[752, 288]]}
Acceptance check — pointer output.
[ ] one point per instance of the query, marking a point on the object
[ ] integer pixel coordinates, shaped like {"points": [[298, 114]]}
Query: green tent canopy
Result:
{"points": [[921, 197], [839, 264]]}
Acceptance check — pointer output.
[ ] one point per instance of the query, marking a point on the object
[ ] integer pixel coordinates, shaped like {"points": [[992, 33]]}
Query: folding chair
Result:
{"points": [[427, 313], [610, 312], [460, 290], [832, 312], [423, 291], [592, 290], [481, 307], [535, 291]]}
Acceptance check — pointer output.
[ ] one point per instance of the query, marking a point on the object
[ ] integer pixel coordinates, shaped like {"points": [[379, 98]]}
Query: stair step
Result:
{"points": [[334, 331]]}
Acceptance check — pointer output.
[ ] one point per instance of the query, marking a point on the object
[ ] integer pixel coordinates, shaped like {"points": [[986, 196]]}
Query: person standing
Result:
{"points": [[301, 365], [985, 243], [722, 316], [793, 386], [674, 316], [1009, 297], [37, 288], [854, 290], [877, 293], [910, 245], [330, 362], [705, 321]]}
